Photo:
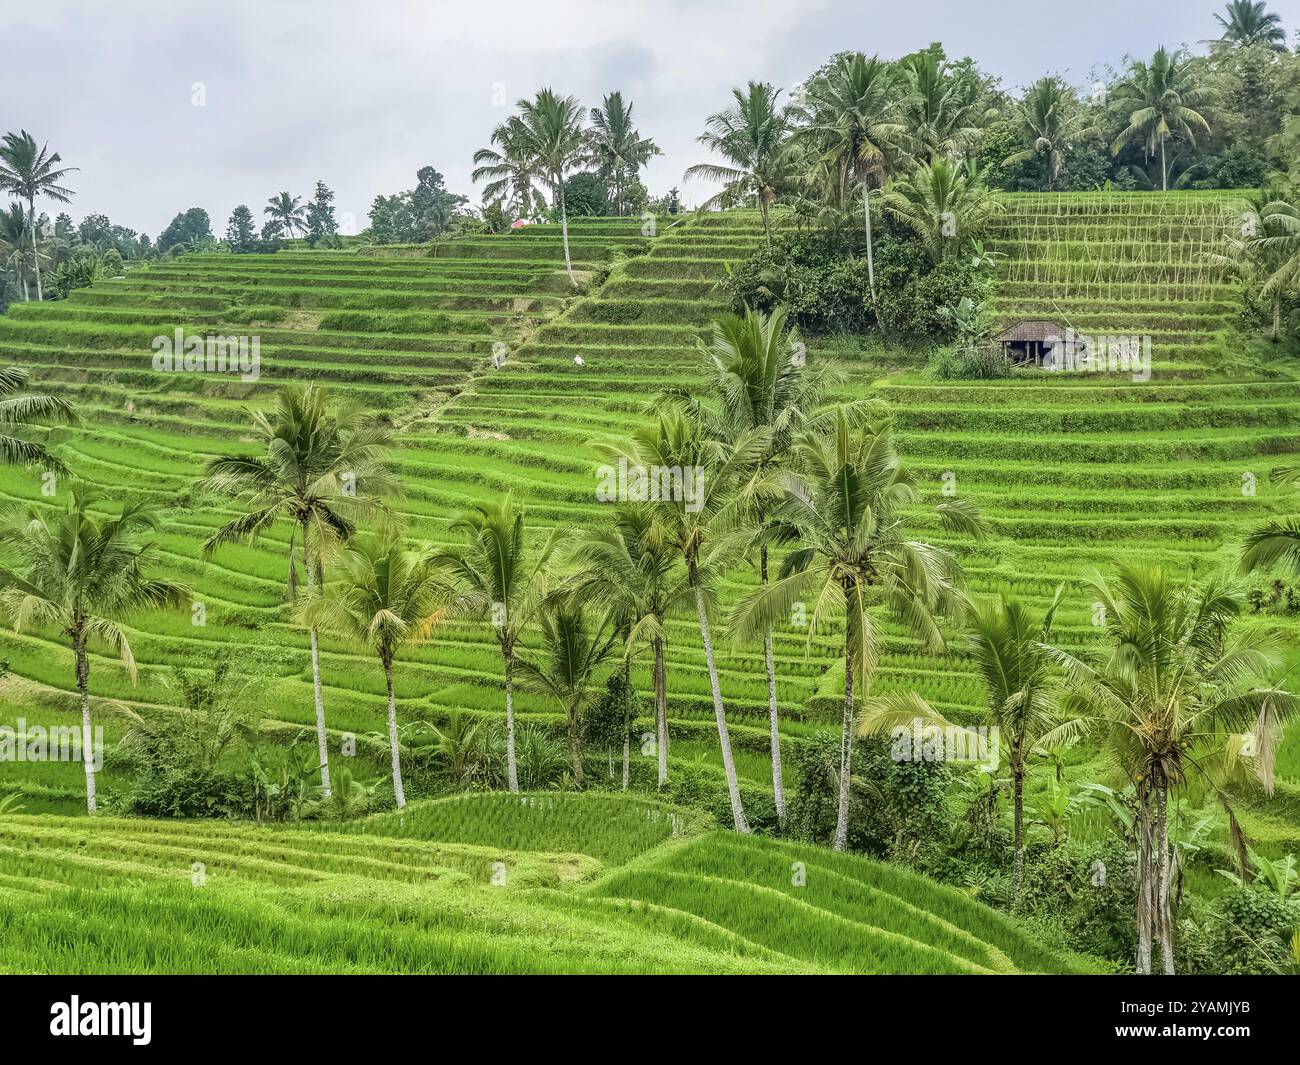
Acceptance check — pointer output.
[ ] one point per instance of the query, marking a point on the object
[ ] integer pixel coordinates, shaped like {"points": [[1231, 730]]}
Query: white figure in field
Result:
{"points": [[578, 360]]}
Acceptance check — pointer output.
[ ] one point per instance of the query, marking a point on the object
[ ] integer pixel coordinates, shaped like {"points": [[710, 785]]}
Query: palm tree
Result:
{"points": [[16, 244], [1161, 98], [551, 137], [510, 175], [28, 172], [712, 488], [758, 381], [616, 145], [1048, 121], [1264, 255], [853, 127], [385, 600], [753, 136], [496, 575], [1178, 693], [943, 205], [19, 412], [846, 508], [287, 211], [1012, 653], [941, 107], [84, 574], [1249, 23], [1278, 542], [630, 569], [573, 649], [322, 469]]}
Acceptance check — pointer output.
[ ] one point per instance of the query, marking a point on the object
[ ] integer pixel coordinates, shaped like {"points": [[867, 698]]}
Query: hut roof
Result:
{"points": [[1030, 329]]}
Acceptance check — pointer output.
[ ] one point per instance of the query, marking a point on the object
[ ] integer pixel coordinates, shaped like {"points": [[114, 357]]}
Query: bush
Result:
{"points": [[1245, 932], [978, 363]]}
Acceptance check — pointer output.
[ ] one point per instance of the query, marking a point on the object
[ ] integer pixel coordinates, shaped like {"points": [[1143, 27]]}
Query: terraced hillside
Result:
{"points": [[473, 885]]}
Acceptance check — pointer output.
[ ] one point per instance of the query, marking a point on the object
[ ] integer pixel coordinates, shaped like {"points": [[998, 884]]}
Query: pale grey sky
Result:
{"points": [[363, 94]]}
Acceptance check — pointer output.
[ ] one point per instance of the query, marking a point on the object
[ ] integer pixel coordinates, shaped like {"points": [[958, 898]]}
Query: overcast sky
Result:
{"points": [[363, 94]]}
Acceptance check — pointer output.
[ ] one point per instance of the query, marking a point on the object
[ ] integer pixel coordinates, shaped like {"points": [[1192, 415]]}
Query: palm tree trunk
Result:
{"points": [[1164, 173], [841, 840], [767, 228], [564, 230], [627, 722], [1164, 917], [87, 737], [36, 257], [661, 710], [724, 740], [512, 772], [1145, 894], [575, 746], [871, 258], [627, 764], [1277, 319], [1018, 802], [393, 748], [322, 742], [774, 724]]}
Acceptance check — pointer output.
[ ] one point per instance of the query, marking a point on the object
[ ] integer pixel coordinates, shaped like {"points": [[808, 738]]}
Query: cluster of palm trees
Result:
{"points": [[546, 141], [27, 170]]}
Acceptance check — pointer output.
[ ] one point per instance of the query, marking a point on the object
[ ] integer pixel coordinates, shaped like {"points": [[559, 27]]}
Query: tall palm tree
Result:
{"points": [[753, 136], [1161, 100], [616, 145], [759, 381], [551, 136], [704, 524], [1179, 693], [496, 575], [17, 412], [1049, 119], [576, 642], [847, 510], [84, 574], [1249, 23], [1012, 653], [28, 172], [852, 123], [288, 211], [943, 205], [510, 174], [322, 469], [385, 599], [941, 107], [632, 570]]}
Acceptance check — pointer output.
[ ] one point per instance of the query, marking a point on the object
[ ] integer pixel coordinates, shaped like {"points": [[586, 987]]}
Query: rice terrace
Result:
{"points": [[856, 532]]}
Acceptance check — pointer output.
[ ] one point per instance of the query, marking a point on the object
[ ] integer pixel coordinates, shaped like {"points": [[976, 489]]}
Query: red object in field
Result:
{"points": [[519, 223]]}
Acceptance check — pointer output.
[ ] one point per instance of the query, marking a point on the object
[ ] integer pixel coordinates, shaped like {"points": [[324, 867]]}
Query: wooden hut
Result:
{"points": [[1030, 340]]}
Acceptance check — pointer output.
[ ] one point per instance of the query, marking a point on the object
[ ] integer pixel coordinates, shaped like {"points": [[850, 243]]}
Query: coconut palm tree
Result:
{"points": [[576, 642], [83, 574], [1180, 692], [631, 569], [759, 381], [28, 172], [1049, 119], [18, 412], [852, 123], [1264, 253], [16, 245], [1160, 99], [846, 509], [323, 470], [385, 598], [941, 107], [753, 136], [1249, 23], [550, 135], [943, 205], [288, 212], [496, 575], [509, 173], [616, 145], [1276, 544], [703, 487]]}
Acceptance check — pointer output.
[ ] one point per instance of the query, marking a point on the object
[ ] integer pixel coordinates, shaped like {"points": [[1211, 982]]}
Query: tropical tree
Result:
{"points": [[703, 489], [18, 412], [576, 643], [851, 122], [28, 172], [496, 575], [1049, 119], [385, 598], [84, 573], [846, 508], [631, 569], [16, 245], [550, 135], [1264, 253], [753, 136], [510, 174], [1248, 22], [943, 205], [288, 212], [1160, 99], [1277, 543], [1180, 692], [323, 469], [616, 145], [941, 107]]}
